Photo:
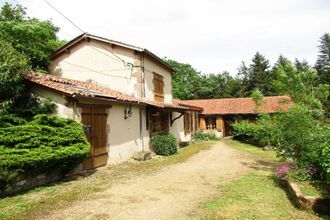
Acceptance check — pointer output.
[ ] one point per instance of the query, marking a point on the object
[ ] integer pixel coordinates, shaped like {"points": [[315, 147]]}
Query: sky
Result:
{"points": [[211, 35]]}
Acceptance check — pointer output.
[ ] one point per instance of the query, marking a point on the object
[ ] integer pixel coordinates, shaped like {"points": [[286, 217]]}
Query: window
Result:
{"points": [[158, 87], [211, 122], [158, 121]]}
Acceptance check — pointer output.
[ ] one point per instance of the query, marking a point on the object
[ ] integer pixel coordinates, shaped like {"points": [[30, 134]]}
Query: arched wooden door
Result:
{"points": [[94, 120]]}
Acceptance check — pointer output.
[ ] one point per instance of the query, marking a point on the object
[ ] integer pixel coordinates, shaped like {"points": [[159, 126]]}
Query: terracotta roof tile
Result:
{"points": [[87, 89], [270, 104]]}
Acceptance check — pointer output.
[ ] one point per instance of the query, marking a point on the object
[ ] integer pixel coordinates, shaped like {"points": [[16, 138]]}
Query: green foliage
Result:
{"points": [[251, 133], [256, 76], [28, 105], [323, 59], [164, 144], [43, 144], [257, 97], [296, 135], [13, 68], [188, 83], [205, 136], [299, 81], [11, 120], [30, 36], [12, 13], [299, 174]]}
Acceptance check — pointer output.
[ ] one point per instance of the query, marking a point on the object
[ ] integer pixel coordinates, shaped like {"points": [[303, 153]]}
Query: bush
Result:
{"points": [[164, 144], [296, 135], [205, 136], [11, 120], [46, 143]]}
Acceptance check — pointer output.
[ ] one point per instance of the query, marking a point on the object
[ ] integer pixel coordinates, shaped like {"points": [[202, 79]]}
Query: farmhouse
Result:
{"points": [[121, 93], [218, 114]]}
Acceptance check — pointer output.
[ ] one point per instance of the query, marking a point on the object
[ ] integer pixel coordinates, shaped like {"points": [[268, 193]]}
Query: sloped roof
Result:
{"points": [[270, 104], [85, 89], [181, 103], [114, 42]]}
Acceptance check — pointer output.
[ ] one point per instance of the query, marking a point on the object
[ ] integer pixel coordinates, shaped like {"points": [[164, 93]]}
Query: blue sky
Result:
{"points": [[211, 35]]}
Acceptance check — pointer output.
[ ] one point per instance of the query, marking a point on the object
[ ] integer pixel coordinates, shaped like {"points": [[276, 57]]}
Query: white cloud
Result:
{"points": [[211, 35]]}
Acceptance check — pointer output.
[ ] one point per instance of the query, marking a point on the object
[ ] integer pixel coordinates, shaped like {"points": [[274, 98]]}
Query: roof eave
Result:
{"points": [[118, 43]]}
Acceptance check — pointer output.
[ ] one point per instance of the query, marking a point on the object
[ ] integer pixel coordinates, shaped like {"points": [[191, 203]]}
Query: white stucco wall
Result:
{"points": [[124, 134], [92, 61], [177, 129], [150, 67]]}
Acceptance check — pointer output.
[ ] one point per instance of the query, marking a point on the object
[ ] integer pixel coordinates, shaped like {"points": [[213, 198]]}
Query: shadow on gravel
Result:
{"points": [[261, 165]]}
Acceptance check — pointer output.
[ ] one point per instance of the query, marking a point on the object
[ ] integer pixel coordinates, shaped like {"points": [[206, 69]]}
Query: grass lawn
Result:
{"points": [[254, 196], [36, 202]]}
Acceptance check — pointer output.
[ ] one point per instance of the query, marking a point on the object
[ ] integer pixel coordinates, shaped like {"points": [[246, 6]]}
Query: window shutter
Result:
{"points": [[158, 87]]}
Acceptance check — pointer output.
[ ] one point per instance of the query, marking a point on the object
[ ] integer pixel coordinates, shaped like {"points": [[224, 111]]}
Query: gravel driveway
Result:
{"points": [[174, 192]]}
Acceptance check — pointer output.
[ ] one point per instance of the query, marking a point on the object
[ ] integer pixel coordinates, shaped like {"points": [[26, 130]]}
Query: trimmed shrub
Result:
{"points": [[164, 144], [10, 120], [44, 144], [205, 136]]}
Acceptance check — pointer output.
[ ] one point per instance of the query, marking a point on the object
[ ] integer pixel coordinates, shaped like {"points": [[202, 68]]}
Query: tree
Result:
{"points": [[30, 36], [13, 67], [299, 82], [323, 59], [10, 13], [256, 76], [183, 80], [223, 85], [188, 83], [259, 74]]}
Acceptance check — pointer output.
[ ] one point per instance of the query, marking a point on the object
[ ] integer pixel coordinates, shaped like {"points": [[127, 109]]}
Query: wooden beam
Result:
{"points": [[174, 119]]}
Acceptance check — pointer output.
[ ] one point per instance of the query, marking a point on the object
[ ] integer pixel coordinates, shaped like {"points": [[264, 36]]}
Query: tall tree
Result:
{"points": [[259, 74], [30, 36], [13, 67], [256, 76], [323, 59]]}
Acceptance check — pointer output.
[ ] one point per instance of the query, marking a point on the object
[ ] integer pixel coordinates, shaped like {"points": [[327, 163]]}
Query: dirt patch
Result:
{"points": [[171, 193]]}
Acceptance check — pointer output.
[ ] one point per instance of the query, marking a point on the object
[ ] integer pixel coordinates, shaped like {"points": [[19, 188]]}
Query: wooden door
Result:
{"points": [[95, 123]]}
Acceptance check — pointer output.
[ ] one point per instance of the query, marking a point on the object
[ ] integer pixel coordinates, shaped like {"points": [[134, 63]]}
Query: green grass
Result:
{"points": [[264, 154], [256, 195], [313, 188], [40, 200]]}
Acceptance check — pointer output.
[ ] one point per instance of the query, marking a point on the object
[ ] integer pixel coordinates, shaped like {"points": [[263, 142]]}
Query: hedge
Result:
{"points": [[43, 144]]}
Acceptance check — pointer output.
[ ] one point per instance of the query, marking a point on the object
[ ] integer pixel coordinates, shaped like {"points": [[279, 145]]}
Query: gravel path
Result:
{"points": [[174, 192]]}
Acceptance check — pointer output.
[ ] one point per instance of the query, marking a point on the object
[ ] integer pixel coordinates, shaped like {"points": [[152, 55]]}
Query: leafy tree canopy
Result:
{"points": [[188, 83], [13, 67], [30, 36], [299, 81]]}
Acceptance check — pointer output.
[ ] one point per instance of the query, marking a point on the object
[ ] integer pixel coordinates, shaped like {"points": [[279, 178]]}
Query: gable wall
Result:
{"points": [[92, 61]]}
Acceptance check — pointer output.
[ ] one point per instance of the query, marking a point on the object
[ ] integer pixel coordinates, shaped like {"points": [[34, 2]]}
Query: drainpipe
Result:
{"points": [[74, 108], [141, 128], [142, 109]]}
